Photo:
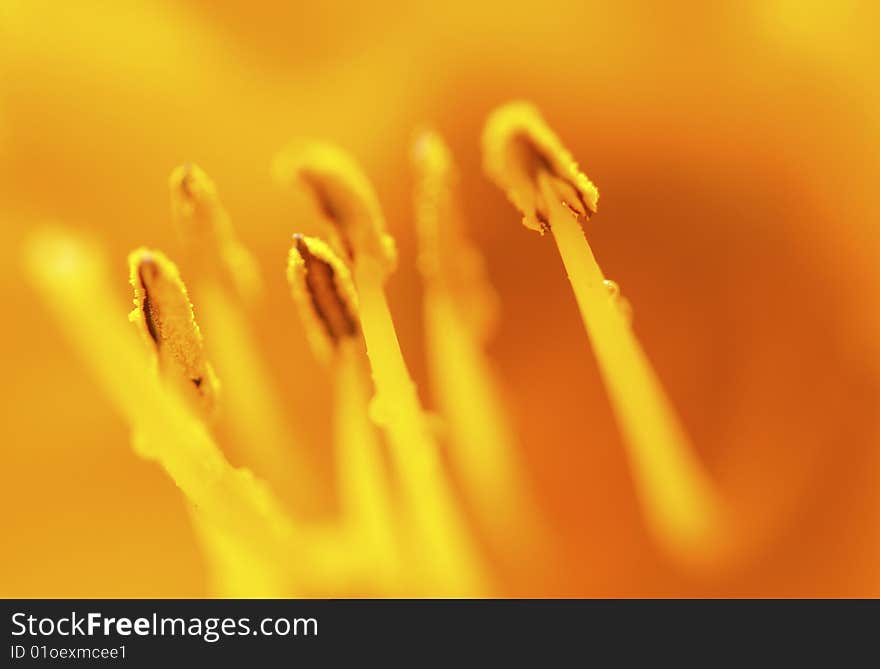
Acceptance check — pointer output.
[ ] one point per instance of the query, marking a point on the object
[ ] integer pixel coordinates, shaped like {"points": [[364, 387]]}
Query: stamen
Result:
{"points": [[447, 258], [206, 227], [343, 197], [437, 218], [365, 488], [518, 145], [225, 279], [346, 200], [73, 280], [681, 503], [326, 300], [165, 314], [322, 289], [459, 308]]}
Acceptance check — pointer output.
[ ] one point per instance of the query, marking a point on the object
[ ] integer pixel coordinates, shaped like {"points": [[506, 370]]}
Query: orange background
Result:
{"points": [[736, 149]]}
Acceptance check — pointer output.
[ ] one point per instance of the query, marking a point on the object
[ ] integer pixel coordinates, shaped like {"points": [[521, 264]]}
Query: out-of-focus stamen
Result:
{"points": [[447, 258], [459, 306], [225, 279], [343, 197], [206, 227]]}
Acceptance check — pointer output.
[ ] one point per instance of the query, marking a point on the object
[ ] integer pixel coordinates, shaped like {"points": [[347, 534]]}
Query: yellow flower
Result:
{"points": [[734, 159]]}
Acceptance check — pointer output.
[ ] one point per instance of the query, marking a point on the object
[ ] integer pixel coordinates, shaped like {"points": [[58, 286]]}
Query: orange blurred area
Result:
{"points": [[736, 147]]}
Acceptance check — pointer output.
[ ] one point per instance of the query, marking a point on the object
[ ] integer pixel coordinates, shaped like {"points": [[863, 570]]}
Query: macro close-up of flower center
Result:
{"points": [[287, 320], [400, 527]]}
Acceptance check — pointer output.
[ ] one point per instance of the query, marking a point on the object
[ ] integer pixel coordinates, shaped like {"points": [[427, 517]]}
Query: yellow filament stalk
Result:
{"points": [[363, 482], [459, 309], [74, 282], [540, 177], [443, 547], [255, 414], [233, 569], [679, 499]]}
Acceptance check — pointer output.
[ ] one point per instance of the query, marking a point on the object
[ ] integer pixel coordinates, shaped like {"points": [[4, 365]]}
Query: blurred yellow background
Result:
{"points": [[737, 150]]}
